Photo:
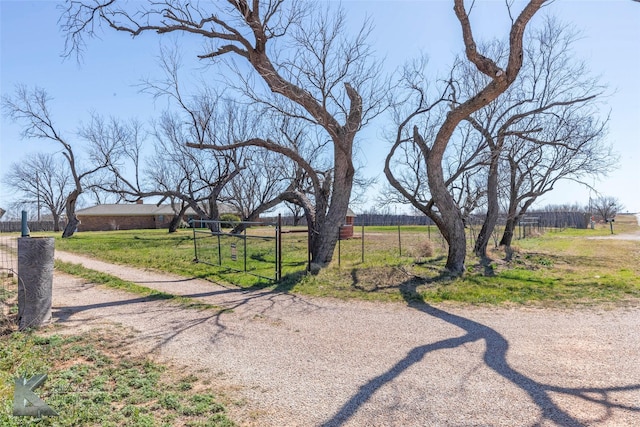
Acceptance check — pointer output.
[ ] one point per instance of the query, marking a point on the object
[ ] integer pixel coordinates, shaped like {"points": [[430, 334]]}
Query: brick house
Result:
{"points": [[133, 216]]}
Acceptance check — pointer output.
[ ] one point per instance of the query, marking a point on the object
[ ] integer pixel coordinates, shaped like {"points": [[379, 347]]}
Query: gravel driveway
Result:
{"points": [[300, 361]]}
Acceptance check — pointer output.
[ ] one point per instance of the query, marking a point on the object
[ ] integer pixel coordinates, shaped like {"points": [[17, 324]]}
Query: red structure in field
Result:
{"points": [[346, 230]]}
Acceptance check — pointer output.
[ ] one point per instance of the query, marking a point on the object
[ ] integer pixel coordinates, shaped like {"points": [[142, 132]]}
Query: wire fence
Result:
{"points": [[388, 242], [16, 226], [255, 253], [8, 281], [262, 248]]}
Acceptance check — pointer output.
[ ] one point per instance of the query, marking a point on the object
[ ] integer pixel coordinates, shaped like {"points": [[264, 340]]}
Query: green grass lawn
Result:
{"points": [[559, 266], [90, 383]]}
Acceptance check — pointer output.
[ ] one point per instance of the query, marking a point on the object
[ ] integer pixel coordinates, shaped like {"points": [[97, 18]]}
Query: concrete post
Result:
{"points": [[35, 281]]}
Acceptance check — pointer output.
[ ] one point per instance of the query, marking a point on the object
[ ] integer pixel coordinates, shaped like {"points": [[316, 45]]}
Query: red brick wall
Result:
{"points": [[346, 232], [108, 223]]}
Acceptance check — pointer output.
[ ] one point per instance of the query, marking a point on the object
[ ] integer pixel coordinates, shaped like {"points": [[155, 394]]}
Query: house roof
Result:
{"points": [[350, 213], [142, 210]]}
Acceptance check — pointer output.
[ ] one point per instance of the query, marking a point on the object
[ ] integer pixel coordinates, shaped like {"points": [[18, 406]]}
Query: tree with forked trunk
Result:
{"points": [[442, 207], [552, 108]]}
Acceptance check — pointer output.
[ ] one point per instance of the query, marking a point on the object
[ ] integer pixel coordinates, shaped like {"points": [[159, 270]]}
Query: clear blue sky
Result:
{"points": [[31, 43]]}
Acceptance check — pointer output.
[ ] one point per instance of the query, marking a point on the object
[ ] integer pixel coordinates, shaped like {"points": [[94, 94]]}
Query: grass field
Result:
{"points": [[91, 382], [558, 267]]}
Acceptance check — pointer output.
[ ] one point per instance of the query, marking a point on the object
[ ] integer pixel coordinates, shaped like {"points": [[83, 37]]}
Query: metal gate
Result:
{"points": [[257, 250]]}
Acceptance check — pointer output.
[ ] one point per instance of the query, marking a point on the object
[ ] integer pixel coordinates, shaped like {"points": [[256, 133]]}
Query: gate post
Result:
{"points": [[362, 260], [279, 249]]}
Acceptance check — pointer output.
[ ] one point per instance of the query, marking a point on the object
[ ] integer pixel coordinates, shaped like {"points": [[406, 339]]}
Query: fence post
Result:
{"points": [[362, 244], [339, 246], [195, 242], [245, 249], [279, 249], [399, 241]]}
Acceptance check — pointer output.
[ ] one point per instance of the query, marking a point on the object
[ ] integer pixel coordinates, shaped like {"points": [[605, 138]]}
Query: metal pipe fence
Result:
{"points": [[255, 253]]}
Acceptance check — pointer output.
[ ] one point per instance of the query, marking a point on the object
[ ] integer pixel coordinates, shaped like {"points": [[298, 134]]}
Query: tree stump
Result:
{"points": [[35, 281]]}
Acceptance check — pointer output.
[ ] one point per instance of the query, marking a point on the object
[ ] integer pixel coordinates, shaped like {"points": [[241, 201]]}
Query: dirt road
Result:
{"points": [[299, 361]]}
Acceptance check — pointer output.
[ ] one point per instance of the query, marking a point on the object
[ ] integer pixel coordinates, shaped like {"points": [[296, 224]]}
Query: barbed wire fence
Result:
{"points": [[417, 237]]}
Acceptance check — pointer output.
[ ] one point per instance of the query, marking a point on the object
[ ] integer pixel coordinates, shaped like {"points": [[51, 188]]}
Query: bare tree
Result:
{"points": [[43, 181], [442, 207], [606, 207], [553, 91], [462, 161], [188, 177], [296, 213], [259, 185], [31, 108], [249, 178], [535, 165], [299, 52]]}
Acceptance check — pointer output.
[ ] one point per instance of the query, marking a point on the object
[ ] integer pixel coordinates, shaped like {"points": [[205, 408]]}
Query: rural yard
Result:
{"points": [[292, 360], [266, 214]]}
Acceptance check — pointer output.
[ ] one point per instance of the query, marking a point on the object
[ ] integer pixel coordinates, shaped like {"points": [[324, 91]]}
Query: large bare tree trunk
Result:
{"points": [[447, 215], [72, 219], [493, 210], [177, 219], [344, 171], [323, 246], [507, 236], [56, 221], [457, 242], [501, 80], [449, 218]]}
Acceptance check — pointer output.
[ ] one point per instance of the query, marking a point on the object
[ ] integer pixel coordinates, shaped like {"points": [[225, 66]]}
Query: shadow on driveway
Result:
{"points": [[495, 358]]}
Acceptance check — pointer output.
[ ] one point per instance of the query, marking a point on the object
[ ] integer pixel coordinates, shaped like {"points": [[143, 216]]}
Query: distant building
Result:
{"points": [[134, 216]]}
